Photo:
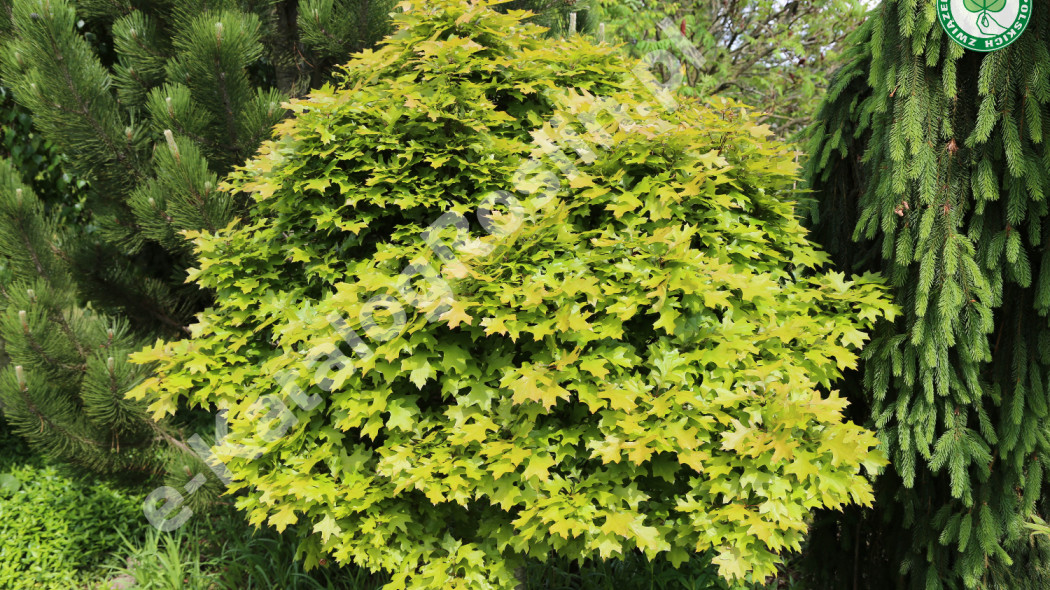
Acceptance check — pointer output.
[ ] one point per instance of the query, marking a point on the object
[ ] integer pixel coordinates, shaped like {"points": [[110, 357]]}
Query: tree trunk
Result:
{"points": [[286, 58]]}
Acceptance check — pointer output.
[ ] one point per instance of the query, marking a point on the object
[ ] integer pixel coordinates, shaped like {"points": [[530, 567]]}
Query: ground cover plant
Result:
{"points": [[629, 349], [56, 530]]}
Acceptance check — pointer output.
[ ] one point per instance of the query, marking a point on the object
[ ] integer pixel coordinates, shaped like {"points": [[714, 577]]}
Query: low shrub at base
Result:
{"points": [[53, 527]]}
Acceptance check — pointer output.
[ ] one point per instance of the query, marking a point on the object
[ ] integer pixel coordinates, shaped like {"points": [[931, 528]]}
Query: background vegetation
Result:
{"points": [[774, 55]]}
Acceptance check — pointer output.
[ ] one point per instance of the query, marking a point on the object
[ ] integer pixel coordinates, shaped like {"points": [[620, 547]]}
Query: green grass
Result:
{"points": [[61, 532], [221, 552]]}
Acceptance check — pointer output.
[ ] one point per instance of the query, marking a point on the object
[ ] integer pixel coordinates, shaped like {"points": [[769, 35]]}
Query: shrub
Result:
{"points": [[53, 527], [629, 351]]}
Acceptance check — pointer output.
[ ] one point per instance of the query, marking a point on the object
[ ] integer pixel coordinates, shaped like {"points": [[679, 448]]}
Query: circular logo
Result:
{"points": [[984, 25]]}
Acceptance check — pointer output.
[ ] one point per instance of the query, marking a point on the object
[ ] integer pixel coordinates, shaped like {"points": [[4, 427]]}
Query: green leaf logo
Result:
{"points": [[984, 5], [986, 24]]}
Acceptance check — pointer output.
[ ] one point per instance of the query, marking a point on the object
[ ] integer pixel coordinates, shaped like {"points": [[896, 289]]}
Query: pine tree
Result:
{"points": [[930, 164], [66, 349], [152, 103]]}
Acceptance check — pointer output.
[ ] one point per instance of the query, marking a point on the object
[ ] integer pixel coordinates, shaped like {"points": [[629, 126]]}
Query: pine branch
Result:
{"points": [[124, 157]]}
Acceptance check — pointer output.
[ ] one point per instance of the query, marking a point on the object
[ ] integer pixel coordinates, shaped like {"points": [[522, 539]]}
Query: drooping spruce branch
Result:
{"points": [[930, 165]]}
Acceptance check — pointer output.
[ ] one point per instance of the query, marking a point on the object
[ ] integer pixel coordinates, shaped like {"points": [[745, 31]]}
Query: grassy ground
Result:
{"points": [[61, 532], [54, 529]]}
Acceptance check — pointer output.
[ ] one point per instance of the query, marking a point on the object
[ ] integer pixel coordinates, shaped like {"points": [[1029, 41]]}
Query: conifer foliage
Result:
{"points": [[495, 301], [937, 160], [57, 347], [151, 102]]}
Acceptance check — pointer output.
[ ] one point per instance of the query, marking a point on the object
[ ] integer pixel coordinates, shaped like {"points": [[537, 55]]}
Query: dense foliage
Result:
{"points": [[65, 348], [636, 356], [935, 159], [775, 55], [36, 159], [54, 527]]}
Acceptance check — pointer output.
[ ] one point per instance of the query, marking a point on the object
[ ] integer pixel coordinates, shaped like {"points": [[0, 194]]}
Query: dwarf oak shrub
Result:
{"points": [[498, 299]]}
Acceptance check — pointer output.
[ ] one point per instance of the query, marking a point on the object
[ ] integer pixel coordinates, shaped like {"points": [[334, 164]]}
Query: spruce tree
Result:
{"points": [[152, 103], [929, 164]]}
